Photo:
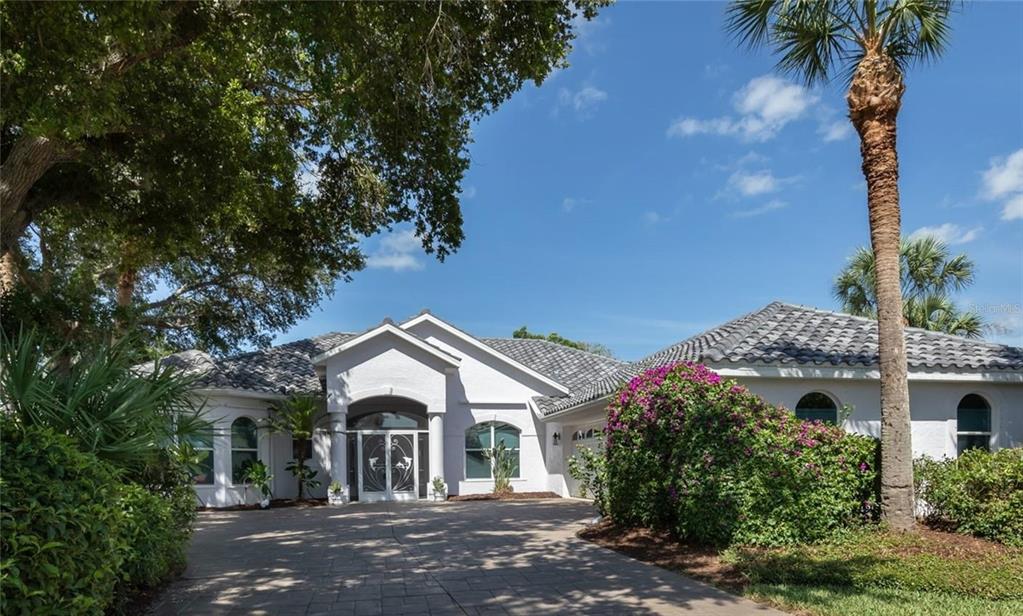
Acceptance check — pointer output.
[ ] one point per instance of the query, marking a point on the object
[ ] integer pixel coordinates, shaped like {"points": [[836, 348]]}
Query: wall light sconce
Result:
{"points": [[557, 438]]}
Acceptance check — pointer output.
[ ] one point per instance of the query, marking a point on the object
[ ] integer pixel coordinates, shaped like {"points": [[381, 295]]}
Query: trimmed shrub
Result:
{"points": [[60, 525], [157, 528], [714, 463], [979, 493]]}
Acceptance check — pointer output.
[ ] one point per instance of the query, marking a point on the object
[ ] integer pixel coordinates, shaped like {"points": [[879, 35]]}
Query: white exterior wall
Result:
{"points": [[485, 388], [932, 406], [222, 411]]}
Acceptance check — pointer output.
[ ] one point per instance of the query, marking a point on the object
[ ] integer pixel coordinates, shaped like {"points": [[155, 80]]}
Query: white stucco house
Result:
{"points": [[409, 401]]}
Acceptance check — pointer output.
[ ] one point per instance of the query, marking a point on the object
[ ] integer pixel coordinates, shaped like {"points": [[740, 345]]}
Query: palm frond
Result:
{"points": [[915, 30]]}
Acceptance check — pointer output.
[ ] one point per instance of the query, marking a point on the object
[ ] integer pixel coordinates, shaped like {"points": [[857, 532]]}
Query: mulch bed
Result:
{"points": [[505, 496], [276, 503], [661, 549]]}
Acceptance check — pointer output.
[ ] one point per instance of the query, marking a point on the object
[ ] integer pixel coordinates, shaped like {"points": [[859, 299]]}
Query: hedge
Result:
{"points": [[60, 525], [713, 463], [74, 539], [978, 493], [157, 529]]}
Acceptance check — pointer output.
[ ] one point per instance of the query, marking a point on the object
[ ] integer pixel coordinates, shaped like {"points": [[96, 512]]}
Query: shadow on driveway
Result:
{"points": [[421, 558]]}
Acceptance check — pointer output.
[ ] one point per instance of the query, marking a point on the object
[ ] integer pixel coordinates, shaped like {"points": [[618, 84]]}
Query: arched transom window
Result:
{"points": [[817, 406], [244, 448], [973, 423], [479, 440]]}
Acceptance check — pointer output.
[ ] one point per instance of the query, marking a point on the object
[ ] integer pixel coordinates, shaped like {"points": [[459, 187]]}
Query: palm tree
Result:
{"points": [[872, 43], [928, 275], [297, 416]]}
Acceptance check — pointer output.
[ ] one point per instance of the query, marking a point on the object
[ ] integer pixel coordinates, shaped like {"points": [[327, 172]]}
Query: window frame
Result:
{"points": [[832, 399], [212, 449], [493, 441], [255, 450], [989, 433]]}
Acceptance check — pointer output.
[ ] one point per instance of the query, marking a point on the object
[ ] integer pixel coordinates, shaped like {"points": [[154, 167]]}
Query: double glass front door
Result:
{"points": [[388, 464]]}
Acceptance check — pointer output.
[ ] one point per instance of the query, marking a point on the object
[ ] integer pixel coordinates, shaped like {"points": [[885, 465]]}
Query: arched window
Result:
{"points": [[244, 447], [819, 406], [480, 438], [973, 423], [202, 442]]}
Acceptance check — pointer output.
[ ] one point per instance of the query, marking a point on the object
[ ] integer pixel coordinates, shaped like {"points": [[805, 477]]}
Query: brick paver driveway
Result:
{"points": [[447, 558]]}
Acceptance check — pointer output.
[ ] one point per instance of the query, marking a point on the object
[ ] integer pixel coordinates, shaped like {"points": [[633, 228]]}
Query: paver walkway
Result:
{"points": [[417, 558]]}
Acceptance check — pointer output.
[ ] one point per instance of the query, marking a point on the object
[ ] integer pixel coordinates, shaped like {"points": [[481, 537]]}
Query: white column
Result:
{"points": [[436, 427], [339, 450]]}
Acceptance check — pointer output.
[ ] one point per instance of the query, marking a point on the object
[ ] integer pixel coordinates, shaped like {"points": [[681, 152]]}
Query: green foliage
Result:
{"points": [[872, 559], [814, 39], [61, 545], [589, 468], [978, 493], [185, 145], [258, 476], [157, 529], [846, 601], [590, 347], [503, 465], [305, 476], [713, 463], [297, 416], [929, 275], [127, 416]]}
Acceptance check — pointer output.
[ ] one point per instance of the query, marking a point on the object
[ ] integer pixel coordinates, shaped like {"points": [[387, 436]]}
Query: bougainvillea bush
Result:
{"points": [[703, 457]]}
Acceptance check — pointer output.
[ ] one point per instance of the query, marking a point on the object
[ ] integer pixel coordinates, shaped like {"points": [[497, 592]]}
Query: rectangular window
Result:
{"points": [[203, 445]]}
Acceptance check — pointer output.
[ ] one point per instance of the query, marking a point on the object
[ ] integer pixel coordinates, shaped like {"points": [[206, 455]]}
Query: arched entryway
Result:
{"points": [[388, 449]]}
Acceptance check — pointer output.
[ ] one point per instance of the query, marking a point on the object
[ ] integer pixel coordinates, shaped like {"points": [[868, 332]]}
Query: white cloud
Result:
{"points": [[1004, 176], [586, 31], [752, 184], [652, 218], [948, 233], [770, 206], [568, 204], [583, 101], [398, 251], [1004, 180], [835, 131], [1013, 209], [765, 105]]}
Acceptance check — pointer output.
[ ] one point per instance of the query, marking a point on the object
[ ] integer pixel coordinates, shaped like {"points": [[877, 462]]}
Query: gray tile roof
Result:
{"points": [[777, 335], [783, 334], [573, 368]]}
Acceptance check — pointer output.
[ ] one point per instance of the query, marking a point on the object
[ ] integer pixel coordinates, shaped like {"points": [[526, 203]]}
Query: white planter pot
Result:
{"points": [[338, 498], [439, 497], [264, 504]]}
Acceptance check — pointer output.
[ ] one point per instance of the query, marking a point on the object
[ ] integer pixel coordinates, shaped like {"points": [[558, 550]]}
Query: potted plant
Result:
{"points": [[259, 477], [336, 493], [440, 489]]}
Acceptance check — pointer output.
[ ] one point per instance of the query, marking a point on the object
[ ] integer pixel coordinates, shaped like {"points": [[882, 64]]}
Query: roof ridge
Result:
{"points": [[560, 346]]}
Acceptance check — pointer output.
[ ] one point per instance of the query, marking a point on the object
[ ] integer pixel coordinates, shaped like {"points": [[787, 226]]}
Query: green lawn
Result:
{"points": [[868, 572], [828, 601]]}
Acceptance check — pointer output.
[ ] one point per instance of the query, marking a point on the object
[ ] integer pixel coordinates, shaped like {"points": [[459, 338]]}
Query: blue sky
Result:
{"points": [[669, 181]]}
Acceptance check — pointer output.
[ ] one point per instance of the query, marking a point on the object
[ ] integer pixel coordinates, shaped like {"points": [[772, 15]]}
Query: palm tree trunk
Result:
{"points": [[874, 98]]}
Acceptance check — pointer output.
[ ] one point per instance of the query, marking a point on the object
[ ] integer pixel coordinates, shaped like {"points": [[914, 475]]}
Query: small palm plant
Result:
{"points": [[129, 415], [503, 465], [259, 477], [297, 416]]}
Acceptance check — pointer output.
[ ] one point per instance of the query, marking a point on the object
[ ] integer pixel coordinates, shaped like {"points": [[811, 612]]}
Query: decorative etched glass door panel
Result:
{"points": [[373, 460], [402, 462]]}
